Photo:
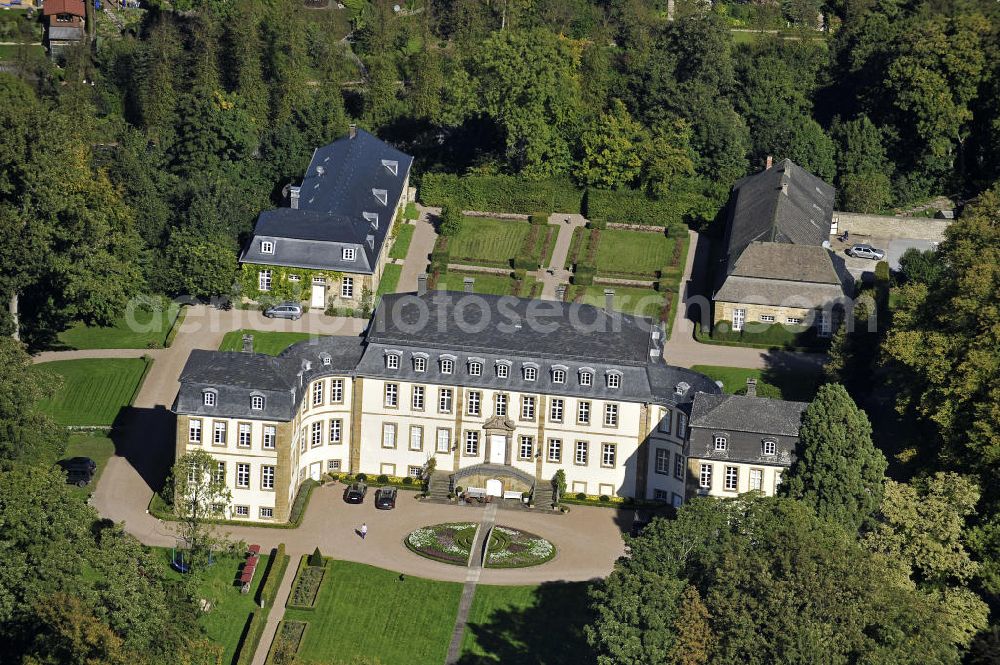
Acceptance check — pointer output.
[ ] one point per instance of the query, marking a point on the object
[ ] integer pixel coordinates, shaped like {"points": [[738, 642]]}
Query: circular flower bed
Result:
{"points": [[448, 543], [513, 548]]}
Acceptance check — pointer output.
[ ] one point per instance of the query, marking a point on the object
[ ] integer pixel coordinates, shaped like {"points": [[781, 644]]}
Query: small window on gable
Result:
{"points": [[614, 379], [266, 247], [349, 253], [586, 377], [721, 442], [769, 447], [256, 402], [419, 364], [391, 165], [392, 360], [382, 195], [208, 398], [372, 218]]}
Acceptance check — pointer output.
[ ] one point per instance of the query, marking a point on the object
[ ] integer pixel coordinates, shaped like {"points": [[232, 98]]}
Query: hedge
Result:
{"points": [[539, 218], [634, 207], [500, 193], [584, 275], [597, 224], [266, 595], [770, 335]]}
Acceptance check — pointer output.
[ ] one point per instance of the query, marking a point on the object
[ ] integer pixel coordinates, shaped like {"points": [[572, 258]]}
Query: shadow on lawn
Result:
{"points": [[549, 632], [145, 437]]}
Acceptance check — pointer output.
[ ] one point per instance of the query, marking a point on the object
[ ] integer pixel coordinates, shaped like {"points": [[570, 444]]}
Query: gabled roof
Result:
{"points": [[799, 263], [759, 415], [74, 7], [783, 204]]}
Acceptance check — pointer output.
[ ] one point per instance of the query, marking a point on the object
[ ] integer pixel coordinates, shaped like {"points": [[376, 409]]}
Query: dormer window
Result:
{"points": [[721, 443], [257, 402], [475, 368], [530, 372], [349, 253], [503, 369], [392, 361], [419, 363], [586, 377], [382, 195], [769, 447], [266, 247], [327, 360], [447, 365], [391, 165], [372, 218], [682, 388], [613, 379], [208, 397], [558, 375]]}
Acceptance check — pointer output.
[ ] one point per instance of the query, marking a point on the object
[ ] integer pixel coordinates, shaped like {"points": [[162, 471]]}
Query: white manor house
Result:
{"points": [[491, 387]]}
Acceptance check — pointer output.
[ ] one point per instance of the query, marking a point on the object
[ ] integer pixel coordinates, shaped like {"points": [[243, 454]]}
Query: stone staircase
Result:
{"points": [[543, 494], [439, 486]]}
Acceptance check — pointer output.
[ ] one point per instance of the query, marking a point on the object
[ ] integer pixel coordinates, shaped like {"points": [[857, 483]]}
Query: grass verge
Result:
{"points": [[267, 342], [798, 385], [145, 326], [390, 279], [97, 447], [401, 245]]}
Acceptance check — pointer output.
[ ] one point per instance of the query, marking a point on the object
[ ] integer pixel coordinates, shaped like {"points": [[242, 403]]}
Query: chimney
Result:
{"points": [[422, 284], [751, 387], [561, 292], [247, 343], [467, 284], [770, 162], [353, 131], [609, 300], [293, 196]]}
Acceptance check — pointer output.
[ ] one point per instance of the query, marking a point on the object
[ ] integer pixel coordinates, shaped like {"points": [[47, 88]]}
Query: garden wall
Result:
{"points": [[885, 226]]}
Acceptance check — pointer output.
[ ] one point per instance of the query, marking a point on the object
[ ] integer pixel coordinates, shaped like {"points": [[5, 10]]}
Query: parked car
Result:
{"points": [[866, 252], [79, 470], [385, 498], [285, 310], [355, 493]]}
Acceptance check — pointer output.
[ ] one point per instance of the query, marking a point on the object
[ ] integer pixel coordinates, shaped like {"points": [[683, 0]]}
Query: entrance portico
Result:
{"points": [[498, 434]]}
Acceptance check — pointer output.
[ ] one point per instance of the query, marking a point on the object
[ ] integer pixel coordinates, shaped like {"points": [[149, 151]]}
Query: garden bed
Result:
{"points": [[513, 548], [447, 543], [306, 587], [286, 642]]}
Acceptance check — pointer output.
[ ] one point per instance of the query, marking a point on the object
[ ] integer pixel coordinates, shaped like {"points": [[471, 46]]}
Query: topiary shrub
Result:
{"points": [[316, 559], [604, 498], [361, 477], [382, 479], [458, 489], [882, 271], [580, 496], [408, 480]]}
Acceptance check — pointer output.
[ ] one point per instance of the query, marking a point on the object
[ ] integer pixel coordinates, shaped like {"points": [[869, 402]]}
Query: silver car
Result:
{"points": [[285, 310], [866, 252]]}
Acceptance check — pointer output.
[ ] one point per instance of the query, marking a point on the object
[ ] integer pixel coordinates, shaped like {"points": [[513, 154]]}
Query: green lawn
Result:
{"points": [[366, 612], [488, 241], [795, 385], [264, 341], [230, 609], [390, 279], [401, 245], [95, 446], [528, 624], [94, 390], [142, 328], [633, 252], [628, 299], [492, 283]]}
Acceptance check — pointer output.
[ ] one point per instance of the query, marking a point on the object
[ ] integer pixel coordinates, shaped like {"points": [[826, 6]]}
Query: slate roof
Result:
{"points": [[336, 190], [801, 263], [645, 377], [65, 33], [759, 415]]}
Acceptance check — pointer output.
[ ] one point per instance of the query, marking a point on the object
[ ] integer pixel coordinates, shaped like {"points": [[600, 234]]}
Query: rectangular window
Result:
{"points": [[611, 415], [389, 435], [794, 320], [242, 475], [419, 364], [678, 466], [303, 441], [527, 448], [443, 440], [415, 471], [682, 422], [392, 395], [583, 413], [264, 280], [555, 450], [417, 398], [349, 253], [416, 437], [266, 513], [473, 403], [767, 318], [267, 477], [739, 318], [705, 478], [317, 392], [194, 430], [586, 378], [444, 400], [208, 398], [220, 472], [475, 368], [333, 465], [336, 391], [769, 447], [732, 478], [501, 404], [556, 410], [269, 436], [266, 247], [609, 453], [219, 433], [347, 287], [294, 278], [241, 511], [316, 435], [825, 327], [527, 407], [756, 479], [530, 373], [660, 495], [720, 442], [665, 417], [662, 461], [472, 442], [503, 371], [581, 452], [243, 437], [336, 430]]}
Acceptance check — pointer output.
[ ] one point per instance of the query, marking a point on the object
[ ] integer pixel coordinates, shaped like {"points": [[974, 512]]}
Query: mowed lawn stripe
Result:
{"points": [[368, 612], [488, 239], [268, 342], [93, 391], [633, 252]]}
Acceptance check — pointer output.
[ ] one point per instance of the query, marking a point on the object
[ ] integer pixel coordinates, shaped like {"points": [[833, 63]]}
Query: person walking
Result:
{"points": [[364, 530]]}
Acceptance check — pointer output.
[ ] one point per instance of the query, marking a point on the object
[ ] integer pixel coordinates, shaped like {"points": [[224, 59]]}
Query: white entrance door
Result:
{"points": [[739, 317], [498, 448], [315, 469], [318, 296], [494, 487]]}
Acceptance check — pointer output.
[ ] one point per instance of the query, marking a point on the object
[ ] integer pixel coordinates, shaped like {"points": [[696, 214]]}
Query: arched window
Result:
{"points": [[257, 402]]}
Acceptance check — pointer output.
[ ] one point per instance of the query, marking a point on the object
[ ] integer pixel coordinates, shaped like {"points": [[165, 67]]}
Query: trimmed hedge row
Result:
{"points": [[632, 207], [266, 594], [500, 193]]}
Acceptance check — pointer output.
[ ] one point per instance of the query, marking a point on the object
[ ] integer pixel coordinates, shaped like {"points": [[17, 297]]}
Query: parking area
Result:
{"points": [[864, 269]]}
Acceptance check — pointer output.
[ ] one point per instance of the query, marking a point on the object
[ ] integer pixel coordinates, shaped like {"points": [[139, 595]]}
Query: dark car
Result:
{"points": [[355, 493], [285, 310], [385, 498], [79, 470]]}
